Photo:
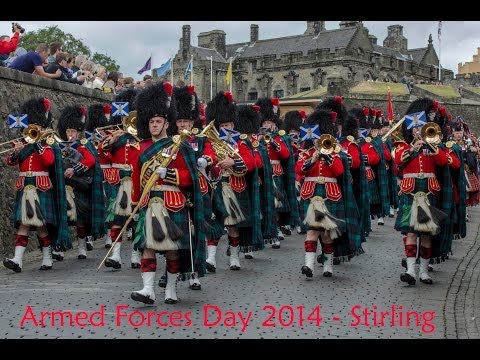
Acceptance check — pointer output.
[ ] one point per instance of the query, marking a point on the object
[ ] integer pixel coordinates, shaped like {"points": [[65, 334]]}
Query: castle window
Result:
{"points": [[252, 96], [278, 93]]}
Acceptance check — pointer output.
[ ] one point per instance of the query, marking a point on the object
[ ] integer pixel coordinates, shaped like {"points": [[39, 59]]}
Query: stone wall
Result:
{"points": [[15, 88]]}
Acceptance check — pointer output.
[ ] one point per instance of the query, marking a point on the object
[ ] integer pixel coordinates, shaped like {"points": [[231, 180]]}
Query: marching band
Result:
{"points": [[175, 184]]}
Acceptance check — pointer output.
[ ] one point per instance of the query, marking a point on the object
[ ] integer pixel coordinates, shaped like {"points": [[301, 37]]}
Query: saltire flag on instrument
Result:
{"points": [[18, 121], [230, 136], [415, 120], [120, 108], [363, 133], [92, 135], [309, 132]]}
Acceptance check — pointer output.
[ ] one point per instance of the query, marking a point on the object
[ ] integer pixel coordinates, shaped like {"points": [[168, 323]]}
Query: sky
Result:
{"points": [[130, 43]]}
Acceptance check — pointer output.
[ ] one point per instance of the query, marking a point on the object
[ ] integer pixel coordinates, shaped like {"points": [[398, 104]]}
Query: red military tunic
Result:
{"points": [[420, 167], [373, 158], [105, 158], [320, 173], [244, 164], [87, 162], [276, 156], [352, 150], [37, 164]]}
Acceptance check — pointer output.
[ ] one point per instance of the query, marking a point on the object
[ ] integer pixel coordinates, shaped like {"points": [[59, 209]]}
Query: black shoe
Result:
{"points": [[89, 246], [404, 263], [57, 257], [307, 271], [286, 231], [9, 264], [427, 281], [210, 268], [82, 257], [135, 266], [248, 256], [108, 246], [195, 286], [113, 264], [142, 298], [45, 267], [327, 274], [275, 246], [234, 267], [408, 279], [170, 301], [163, 281]]}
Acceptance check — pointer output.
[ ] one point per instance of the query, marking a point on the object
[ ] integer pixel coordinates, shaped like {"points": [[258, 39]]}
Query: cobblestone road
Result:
{"points": [[267, 298]]}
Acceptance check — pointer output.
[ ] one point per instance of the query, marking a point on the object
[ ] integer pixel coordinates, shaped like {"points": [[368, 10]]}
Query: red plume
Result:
{"points": [[84, 113], [256, 108], [191, 90], [303, 114], [167, 86], [435, 105], [338, 100], [334, 117], [228, 95], [366, 111], [275, 101], [379, 113], [46, 103], [443, 111], [107, 110], [373, 112], [450, 117]]}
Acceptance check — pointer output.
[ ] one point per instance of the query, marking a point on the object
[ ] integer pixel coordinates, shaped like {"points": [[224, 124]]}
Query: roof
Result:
{"points": [[418, 54], [330, 39], [232, 48], [391, 52], [203, 53], [309, 94]]}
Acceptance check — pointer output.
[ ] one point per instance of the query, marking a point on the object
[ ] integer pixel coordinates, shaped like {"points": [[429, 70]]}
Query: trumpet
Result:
{"points": [[326, 145], [31, 134], [431, 133]]}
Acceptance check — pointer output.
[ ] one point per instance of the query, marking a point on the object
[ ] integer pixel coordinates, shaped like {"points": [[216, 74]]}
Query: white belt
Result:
{"points": [[165, 188], [321, 179], [122, 166], [274, 162], [367, 167], [33, 173], [419, 175], [105, 166]]}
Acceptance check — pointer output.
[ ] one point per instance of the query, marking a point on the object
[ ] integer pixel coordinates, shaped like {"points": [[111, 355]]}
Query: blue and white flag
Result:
{"points": [[230, 136], [415, 120], [120, 108], [18, 121], [162, 70], [363, 133], [188, 69], [309, 132]]}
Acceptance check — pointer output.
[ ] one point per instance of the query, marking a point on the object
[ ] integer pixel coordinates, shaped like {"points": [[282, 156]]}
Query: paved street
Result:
{"points": [[267, 298]]}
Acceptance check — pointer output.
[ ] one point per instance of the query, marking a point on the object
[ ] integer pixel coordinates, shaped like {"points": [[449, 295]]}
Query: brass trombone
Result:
{"points": [[327, 144], [31, 134], [394, 130], [431, 133]]}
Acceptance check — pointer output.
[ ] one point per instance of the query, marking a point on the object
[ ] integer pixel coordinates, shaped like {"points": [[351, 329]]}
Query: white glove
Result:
{"points": [[162, 172], [202, 162]]}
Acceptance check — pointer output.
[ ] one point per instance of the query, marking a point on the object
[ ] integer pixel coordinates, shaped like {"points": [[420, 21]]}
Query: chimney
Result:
{"points": [[373, 39], [314, 27], [395, 39], [185, 41], [214, 39], [347, 24], [253, 33]]}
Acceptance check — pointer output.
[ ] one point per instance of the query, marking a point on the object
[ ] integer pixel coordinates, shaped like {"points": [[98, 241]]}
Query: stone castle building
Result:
{"points": [[470, 67], [281, 67]]}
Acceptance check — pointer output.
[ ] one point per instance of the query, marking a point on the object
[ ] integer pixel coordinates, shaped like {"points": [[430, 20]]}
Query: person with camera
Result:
{"points": [[83, 178], [9, 44]]}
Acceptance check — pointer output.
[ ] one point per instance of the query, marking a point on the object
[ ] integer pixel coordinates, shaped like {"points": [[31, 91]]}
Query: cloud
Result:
{"points": [[130, 43]]}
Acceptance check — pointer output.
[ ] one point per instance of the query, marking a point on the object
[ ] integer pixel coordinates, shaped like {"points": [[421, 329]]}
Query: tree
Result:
{"points": [[106, 61], [73, 46]]}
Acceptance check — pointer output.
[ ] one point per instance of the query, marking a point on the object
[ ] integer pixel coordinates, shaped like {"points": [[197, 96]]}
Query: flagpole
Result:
{"points": [[191, 73], [231, 75], [171, 70], [439, 51], [211, 78], [151, 64]]}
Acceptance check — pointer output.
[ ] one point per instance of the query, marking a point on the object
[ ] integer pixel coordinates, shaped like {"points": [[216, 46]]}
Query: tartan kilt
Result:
{"points": [[244, 201], [83, 203], [214, 229], [278, 180], [393, 189], [406, 201], [336, 208], [374, 192], [45, 199]]}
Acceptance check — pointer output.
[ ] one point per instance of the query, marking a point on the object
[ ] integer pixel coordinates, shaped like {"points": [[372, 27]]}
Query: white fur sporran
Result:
{"points": [[157, 209], [70, 195], [327, 223], [231, 204], [125, 187], [430, 227], [30, 195]]}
